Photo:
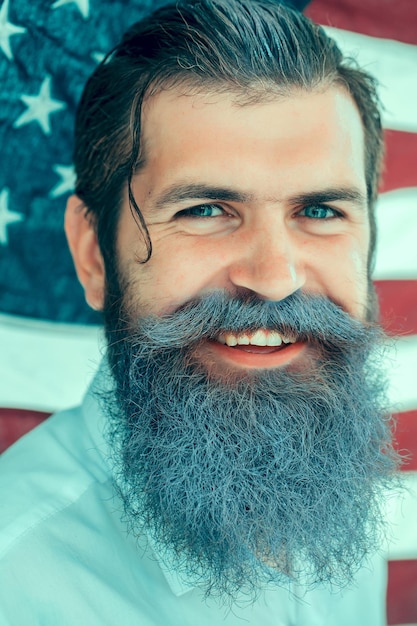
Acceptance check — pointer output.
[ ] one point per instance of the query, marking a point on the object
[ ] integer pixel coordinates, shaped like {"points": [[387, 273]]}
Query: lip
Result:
{"points": [[258, 360]]}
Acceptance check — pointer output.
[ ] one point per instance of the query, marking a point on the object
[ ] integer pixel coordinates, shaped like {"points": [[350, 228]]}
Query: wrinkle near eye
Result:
{"points": [[161, 229]]}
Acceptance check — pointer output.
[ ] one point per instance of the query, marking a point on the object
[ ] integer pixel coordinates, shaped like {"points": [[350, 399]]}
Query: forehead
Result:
{"points": [[309, 139]]}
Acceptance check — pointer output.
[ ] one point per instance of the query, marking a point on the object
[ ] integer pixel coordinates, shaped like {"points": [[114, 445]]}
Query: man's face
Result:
{"points": [[261, 199], [246, 428]]}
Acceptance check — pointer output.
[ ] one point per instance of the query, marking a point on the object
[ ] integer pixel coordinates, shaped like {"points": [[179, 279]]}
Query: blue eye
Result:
{"points": [[202, 210], [320, 212]]}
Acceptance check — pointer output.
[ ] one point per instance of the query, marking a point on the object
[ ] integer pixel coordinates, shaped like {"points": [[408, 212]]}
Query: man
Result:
{"points": [[229, 461]]}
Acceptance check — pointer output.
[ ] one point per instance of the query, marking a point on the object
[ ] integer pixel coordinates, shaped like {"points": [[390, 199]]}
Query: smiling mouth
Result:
{"points": [[260, 349], [268, 340]]}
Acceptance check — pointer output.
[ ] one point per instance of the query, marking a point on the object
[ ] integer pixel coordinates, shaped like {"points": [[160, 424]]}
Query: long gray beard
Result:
{"points": [[258, 478]]}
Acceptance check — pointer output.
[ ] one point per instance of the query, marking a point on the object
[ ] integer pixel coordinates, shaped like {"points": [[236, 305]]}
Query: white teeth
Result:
{"points": [[259, 338], [274, 339], [230, 340]]}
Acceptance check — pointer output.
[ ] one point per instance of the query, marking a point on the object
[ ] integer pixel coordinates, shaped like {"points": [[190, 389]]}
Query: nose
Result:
{"points": [[268, 262]]}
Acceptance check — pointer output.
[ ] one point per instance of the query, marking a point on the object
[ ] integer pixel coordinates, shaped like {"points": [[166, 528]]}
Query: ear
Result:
{"points": [[83, 243]]}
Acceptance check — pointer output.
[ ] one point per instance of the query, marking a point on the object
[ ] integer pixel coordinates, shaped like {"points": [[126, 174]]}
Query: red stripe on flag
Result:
{"points": [[15, 423], [400, 169], [406, 438], [398, 307], [402, 592], [378, 18]]}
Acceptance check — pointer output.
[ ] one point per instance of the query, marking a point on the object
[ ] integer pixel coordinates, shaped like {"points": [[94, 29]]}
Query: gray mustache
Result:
{"points": [[309, 317]]}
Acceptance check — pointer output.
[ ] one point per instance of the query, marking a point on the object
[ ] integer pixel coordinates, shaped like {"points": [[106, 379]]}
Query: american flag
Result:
{"points": [[50, 343], [382, 35]]}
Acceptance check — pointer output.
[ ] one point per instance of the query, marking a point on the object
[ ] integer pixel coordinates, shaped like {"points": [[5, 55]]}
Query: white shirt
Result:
{"points": [[66, 558]]}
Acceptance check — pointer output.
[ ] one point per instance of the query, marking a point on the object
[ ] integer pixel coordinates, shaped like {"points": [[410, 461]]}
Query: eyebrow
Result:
{"points": [[180, 192], [198, 191], [332, 194]]}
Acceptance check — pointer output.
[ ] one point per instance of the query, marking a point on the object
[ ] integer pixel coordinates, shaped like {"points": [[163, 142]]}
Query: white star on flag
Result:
{"points": [[67, 183], [40, 108], [97, 56], [7, 217], [7, 30], [82, 5]]}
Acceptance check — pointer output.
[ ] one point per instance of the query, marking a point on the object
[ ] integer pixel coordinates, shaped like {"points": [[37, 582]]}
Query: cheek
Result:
{"points": [[358, 262], [353, 279], [337, 268], [178, 273]]}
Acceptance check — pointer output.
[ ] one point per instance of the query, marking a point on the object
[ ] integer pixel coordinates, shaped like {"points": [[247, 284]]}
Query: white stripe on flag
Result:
{"points": [[394, 64], [400, 362], [396, 214], [46, 366], [401, 508]]}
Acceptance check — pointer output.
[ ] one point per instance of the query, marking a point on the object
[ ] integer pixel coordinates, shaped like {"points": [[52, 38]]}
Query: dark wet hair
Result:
{"points": [[253, 48]]}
